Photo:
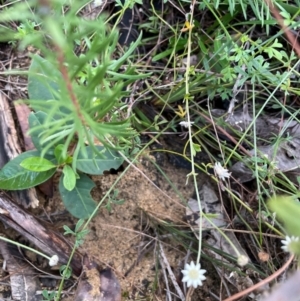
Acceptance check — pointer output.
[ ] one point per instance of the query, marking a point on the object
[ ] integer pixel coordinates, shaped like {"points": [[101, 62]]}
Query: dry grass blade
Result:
{"points": [[261, 283], [171, 274]]}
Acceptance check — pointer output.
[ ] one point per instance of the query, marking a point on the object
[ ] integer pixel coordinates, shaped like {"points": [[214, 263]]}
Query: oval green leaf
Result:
{"points": [[14, 177], [79, 201], [37, 164], [96, 163], [36, 120], [41, 85], [69, 178]]}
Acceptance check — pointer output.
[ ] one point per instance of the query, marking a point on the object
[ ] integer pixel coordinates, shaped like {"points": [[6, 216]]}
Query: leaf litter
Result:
{"points": [[147, 208]]}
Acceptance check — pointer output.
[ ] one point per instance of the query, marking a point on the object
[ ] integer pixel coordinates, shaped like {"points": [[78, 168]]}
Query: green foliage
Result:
{"points": [[78, 201], [69, 178], [41, 84], [65, 271], [15, 177], [79, 233], [112, 200], [29, 169], [48, 296], [25, 29], [95, 163], [37, 164], [78, 124], [287, 209]]}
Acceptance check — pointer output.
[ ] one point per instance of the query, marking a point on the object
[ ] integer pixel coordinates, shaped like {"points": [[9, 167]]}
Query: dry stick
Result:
{"points": [[227, 135], [288, 291], [169, 297], [171, 274], [292, 39], [261, 283]]}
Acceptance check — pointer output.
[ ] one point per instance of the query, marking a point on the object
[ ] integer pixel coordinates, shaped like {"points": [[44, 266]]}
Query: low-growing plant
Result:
{"points": [[113, 200], [48, 296], [78, 123]]}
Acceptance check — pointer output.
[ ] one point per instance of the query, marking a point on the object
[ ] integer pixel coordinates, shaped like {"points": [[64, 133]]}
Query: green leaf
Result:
{"points": [[14, 177], [37, 120], [292, 9], [12, 13], [39, 129], [162, 55], [59, 155], [79, 201], [79, 225], [58, 152], [37, 164], [287, 210], [95, 164], [202, 46], [197, 147], [43, 85], [133, 46], [40, 83], [69, 179]]}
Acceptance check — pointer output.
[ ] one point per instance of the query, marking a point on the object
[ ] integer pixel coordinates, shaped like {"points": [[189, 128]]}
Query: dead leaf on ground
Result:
{"points": [[97, 285]]}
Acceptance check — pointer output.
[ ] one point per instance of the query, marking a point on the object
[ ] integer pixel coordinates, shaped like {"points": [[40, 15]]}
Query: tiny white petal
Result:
{"points": [[97, 3], [221, 172], [53, 260], [193, 274], [287, 243], [242, 260], [186, 124]]}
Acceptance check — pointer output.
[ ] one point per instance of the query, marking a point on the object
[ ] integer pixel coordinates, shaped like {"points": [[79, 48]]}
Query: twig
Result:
{"points": [[261, 283], [190, 293], [235, 92], [166, 279], [289, 291], [171, 274], [292, 39], [226, 134]]}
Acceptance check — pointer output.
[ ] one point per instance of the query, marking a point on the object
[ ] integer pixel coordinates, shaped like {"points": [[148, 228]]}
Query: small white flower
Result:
{"points": [[221, 172], [97, 3], [186, 124], [288, 243], [53, 260], [193, 275], [242, 260]]}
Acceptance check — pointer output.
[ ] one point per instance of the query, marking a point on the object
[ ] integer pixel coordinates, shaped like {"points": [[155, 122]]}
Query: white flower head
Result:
{"points": [[289, 244], [242, 260], [97, 3], [53, 260], [193, 274], [186, 124], [221, 172]]}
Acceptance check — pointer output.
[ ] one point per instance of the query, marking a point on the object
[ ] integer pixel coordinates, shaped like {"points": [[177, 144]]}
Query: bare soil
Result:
{"points": [[126, 239]]}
